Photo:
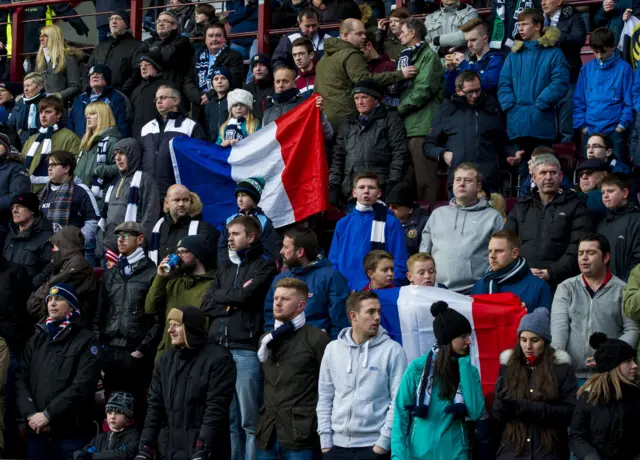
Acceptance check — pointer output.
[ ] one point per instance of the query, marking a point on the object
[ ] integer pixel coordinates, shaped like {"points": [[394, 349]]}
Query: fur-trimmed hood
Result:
{"points": [[560, 357], [549, 39]]}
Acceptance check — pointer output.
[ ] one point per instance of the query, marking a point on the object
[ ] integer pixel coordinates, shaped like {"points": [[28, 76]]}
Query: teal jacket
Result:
{"points": [[440, 436]]}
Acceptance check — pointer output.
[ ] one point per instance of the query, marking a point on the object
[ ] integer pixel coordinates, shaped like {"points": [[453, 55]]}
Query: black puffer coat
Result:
{"points": [[30, 248], [121, 55]]}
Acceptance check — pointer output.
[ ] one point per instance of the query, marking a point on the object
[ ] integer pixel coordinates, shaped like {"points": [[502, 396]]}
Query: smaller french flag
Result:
{"points": [[288, 154], [494, 318]]}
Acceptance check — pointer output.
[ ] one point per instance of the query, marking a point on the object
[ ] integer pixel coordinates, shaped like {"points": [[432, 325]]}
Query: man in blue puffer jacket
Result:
{"points": [[328, 289], [603, 100]]}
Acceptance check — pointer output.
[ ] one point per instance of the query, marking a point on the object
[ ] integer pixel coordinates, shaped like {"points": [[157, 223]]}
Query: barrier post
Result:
{"points": [[17, 45], [264, 22], [136, 16], [399, 3]]}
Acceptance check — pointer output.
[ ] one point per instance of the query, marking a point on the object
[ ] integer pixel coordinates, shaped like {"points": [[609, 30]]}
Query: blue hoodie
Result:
{"points": [[328, 292], [603, 97], [352, 242]]}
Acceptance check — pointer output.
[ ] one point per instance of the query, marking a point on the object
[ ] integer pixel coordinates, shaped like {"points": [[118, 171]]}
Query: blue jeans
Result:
{"points": [[46, 448], [244, 407], [279, 453]]}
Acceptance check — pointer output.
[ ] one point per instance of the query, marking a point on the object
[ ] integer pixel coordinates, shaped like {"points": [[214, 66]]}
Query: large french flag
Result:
{"points": [[288, 153], [494, 318]]}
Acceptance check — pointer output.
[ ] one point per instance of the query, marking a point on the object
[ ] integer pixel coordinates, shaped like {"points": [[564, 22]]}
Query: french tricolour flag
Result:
{"points": [[288, 153], [494, 318]]}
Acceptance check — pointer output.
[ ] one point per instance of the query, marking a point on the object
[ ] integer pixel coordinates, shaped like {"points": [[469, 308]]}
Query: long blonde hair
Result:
{"points": [[105, 120], [604, 387], [57, 50], [252, 124]]}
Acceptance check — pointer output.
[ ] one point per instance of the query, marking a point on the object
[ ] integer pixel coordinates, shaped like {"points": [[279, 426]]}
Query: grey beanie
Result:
{"points": [[538, 322]]}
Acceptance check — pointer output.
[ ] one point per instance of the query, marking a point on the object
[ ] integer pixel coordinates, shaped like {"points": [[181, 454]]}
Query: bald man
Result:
{"points": [[183, 216], [343, 66]]}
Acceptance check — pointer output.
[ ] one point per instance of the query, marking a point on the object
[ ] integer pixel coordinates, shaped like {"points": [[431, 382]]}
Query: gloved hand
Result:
{"points": [[458, 410], [203, 451], [335, 196], [145, 453]]}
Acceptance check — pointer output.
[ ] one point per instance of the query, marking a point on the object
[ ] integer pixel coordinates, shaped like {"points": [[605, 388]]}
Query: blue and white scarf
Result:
{"points": [[40, 173], [378, 226], [131, 213], [101, 159], [126, 263], [279, 329], [204, 68], [154, 245]]}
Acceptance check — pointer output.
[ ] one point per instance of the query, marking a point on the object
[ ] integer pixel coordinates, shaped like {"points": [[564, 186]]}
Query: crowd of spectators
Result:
{"points": [[247, 341]]}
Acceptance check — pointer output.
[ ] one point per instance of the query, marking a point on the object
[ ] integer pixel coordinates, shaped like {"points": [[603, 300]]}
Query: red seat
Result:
{"points": [[97, 274], [511, 202], [441, 203]]}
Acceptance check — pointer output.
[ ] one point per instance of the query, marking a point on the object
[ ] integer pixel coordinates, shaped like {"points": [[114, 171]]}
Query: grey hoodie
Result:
{"points": [[458, 240], [357, 390]]}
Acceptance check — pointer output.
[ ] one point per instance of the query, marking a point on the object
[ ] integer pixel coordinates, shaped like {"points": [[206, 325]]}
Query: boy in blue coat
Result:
{"points": [[508, 272], [603, 100], [370, 226]]}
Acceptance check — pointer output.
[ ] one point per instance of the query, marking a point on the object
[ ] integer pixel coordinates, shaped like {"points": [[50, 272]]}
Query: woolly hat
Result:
{"points": [[124, 15], [401, 195], [197, 245], [29, 200], [239, 96], [66, 291], [252, 186], [13, 88], [111, 256], [221, 71], [448, 323], [103, 69], [610, 353], [121, 403], [154, 58], [369, 87], [538, 322], [261, 59], [193, 321]]}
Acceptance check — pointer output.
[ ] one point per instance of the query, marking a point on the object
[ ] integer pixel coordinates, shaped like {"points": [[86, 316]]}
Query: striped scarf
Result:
{"points": [[279, 329], [58, 208], [55, 327], [131, 214], [154, 245], [40, 174], [101, 159], [126, 263], [516, 271], [379, 223]]}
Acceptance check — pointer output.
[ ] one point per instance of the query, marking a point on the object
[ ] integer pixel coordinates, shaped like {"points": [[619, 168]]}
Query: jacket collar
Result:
{"points": [[549, 39], [250, 254]]}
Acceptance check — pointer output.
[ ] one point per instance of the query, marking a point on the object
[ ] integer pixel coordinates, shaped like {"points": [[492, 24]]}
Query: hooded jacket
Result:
{"points": [[443, 26], [88, 168], [328, 292], [337, 73], [118, 102], [121, 55], [535, 413], [352, 242], [14, 181], [30, 248], [474, 134], [148, 199], [377, 145], [534, 78], [603, 99], [457, 238], [621, 227], [15, 287], [68, 266], [357, 389], [235, 301], [575, 315], [550, 234], [59, 377]]}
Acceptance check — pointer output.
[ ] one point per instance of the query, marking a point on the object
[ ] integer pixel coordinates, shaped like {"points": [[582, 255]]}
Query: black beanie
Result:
{"points": [[155, 59], [193, 321], [610, 353], [448, 323], [197, 245], [401, 195], [369, 87], [29, 200], [124, 15]]}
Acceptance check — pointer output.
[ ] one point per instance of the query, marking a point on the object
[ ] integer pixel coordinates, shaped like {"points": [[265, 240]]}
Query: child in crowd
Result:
{"points": [[204, 14], [379, 266], [121, 441], [421, 270], [412, 217], [248, 193], [240, 122], [601, 146], [216, 111]]}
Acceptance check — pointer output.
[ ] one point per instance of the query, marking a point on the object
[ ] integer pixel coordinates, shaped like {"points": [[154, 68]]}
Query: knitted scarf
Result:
{"points": [[101, 159], [405, 60], [279, 329], [126, 263], [40, 173], [58, 207], [234, 129], [55, 327], [32, 102], [425, 387], [517, 270], [131, 213], [379, 223], [154, 244]]}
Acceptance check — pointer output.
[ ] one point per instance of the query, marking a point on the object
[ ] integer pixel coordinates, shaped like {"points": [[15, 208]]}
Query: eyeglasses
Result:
{"points": [[162, 98], [475, 92], [182, 252], [595, 146], [165, 21], [125, 235]]}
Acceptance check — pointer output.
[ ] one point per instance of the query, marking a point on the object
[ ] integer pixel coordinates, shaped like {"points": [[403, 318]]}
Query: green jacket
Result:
{"points": [[420, 103], [631, 297], [87, 168], [440, 436], [339, 70], [168, 292]]}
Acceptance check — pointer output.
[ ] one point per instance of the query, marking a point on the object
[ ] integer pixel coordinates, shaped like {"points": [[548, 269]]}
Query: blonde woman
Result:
{"points": [[96, 167], [59, 64]]}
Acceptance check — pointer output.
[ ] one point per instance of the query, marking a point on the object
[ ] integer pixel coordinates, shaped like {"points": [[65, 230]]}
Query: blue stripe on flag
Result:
{"points": [[205, 170], [390, 319]]}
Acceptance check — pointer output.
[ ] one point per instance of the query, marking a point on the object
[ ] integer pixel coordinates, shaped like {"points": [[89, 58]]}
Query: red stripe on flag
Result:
{"points": [[305, 176], [496, 318]]}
